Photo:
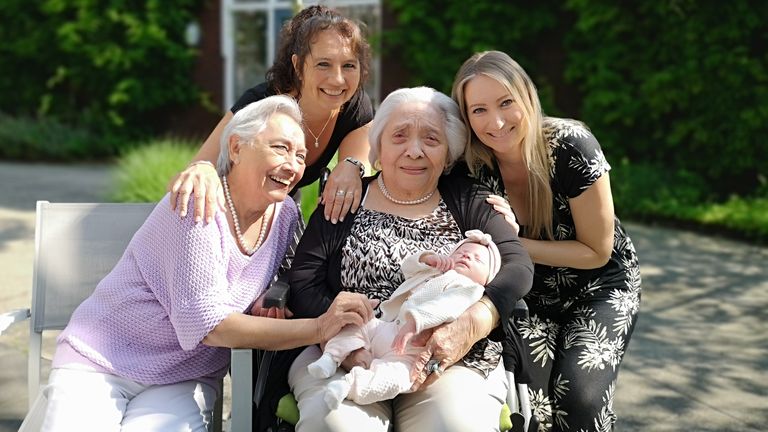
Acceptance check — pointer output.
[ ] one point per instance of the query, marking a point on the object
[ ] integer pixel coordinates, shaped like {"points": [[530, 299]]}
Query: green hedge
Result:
{"points": [[110, 66], [655, 193]]}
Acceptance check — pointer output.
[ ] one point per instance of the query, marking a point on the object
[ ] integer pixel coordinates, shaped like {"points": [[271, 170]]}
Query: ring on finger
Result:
{"points": [[341, 192], [433, 366]]}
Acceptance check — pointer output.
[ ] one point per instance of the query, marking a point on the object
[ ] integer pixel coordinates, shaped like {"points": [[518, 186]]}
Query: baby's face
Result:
{"points": [[472, 260]]}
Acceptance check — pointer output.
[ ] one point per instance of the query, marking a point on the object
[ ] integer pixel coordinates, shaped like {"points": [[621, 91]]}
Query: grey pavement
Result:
{"points": [[698, 360]]}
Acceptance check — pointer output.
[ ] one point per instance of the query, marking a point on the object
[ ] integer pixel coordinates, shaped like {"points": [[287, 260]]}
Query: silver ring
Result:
{"points": [[433, 366], [341, 193]]}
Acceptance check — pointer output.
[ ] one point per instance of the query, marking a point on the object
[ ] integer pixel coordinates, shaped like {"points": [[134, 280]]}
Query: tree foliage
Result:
{"points": [[434, 39], [676, 83], [108, 65], [682, 83]]}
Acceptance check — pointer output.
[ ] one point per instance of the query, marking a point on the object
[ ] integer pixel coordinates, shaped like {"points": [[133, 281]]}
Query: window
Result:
{"points": [[250, 31]]}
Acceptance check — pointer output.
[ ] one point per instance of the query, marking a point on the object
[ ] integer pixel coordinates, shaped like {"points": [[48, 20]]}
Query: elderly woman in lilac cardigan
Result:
{"points": [[147, 349]]}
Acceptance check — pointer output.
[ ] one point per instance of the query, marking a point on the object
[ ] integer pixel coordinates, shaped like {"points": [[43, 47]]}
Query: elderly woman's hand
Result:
{"points": [[446, 344], [501, 205], [347, 308], [201, 179], [342, 192]]}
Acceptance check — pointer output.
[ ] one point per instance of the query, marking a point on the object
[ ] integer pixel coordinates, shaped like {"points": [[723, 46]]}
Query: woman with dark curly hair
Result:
{"points": [[322, 62]]}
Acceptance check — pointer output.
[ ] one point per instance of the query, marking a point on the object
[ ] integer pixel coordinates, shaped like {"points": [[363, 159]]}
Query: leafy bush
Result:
{"points": [[142, 173], [47, 139], [109, 66]]}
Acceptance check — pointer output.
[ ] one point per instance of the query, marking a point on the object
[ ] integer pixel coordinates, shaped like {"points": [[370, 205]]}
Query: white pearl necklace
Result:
{"points": [[386, 194], [240, 238]]}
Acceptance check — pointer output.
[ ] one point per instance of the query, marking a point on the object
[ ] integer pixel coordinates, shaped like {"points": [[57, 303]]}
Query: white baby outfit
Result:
{"points": [[430, 297]]}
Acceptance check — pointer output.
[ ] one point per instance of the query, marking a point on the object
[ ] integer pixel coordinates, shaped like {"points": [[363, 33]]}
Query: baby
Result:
{"points": [[437, 289]]}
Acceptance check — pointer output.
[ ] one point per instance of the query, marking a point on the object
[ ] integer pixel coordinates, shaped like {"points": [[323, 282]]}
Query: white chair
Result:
{"points": [[76, 245]]}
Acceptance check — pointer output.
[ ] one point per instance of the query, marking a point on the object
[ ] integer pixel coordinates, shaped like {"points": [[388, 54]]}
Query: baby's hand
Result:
{"points": [[440, 262], [404, 336]]}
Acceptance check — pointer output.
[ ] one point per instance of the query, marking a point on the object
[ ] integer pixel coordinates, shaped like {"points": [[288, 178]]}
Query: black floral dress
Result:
{"points": [[580, 320]]}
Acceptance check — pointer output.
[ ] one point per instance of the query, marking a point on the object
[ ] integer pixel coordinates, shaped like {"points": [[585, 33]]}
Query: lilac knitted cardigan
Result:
{"points": [[175, 282]]}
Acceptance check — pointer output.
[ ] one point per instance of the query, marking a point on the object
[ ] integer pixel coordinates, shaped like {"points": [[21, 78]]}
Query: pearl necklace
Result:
{"points": [[386, 194], [317, 137], [240, 238]]}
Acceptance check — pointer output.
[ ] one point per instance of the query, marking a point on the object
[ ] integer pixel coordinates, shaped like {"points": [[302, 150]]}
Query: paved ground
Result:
{"points": [[698, 360]]}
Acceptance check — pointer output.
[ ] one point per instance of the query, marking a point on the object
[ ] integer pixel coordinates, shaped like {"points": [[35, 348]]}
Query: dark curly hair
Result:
{"points": [[296, 37]]}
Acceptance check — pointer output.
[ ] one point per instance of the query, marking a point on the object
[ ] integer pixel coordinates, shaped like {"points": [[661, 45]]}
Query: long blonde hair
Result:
{"points": [[500, 67]]}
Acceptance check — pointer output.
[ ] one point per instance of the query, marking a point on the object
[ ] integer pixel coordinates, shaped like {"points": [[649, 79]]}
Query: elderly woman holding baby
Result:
{"points": [[147, 350], [410, 205]]}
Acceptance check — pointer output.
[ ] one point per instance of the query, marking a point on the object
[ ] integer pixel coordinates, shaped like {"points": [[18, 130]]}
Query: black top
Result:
{"points": [[354, 114]]}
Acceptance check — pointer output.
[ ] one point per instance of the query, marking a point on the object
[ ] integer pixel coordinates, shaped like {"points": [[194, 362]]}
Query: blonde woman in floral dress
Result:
{"points": [[553, 185]]}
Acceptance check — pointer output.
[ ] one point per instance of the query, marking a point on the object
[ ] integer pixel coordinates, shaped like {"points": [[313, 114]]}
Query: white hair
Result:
{"points": [[251, 121], [455, 130]]}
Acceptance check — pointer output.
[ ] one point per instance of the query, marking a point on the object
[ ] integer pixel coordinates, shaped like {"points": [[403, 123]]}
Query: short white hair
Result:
{"points": [[251, 121], [455, 130]]}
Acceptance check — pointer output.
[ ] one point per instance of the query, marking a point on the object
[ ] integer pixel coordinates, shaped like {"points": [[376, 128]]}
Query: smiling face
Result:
{"points": [[414, 150], [266, 169], [330, 74], [495, 116], [472, 260]]}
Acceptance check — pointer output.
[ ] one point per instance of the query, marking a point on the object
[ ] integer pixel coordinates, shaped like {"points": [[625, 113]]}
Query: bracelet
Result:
{"points": [[202, 162], [489, 304], [357, 163]]}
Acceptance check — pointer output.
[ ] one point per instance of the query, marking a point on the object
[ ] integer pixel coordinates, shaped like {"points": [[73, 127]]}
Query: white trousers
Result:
{"points": [[460, 400], [85, 400]]}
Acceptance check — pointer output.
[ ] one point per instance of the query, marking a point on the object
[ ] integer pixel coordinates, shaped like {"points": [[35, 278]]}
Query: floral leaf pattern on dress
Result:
{"points": [[583, 317]]}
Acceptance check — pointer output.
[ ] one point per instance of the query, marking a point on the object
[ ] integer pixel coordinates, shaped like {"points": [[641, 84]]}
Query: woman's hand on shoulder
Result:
{"points": [[502, 206], [347, 308], [201, 179], [342, 192]]}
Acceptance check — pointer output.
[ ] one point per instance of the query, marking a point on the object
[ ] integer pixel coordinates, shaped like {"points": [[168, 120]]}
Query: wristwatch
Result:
{"points": [[356, 162]]}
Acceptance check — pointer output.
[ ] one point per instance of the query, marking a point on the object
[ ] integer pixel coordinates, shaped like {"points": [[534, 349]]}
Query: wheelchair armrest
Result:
{"points": [[242, 393], [276, 295], [520, 310], [9, 318], [324, 174]]}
